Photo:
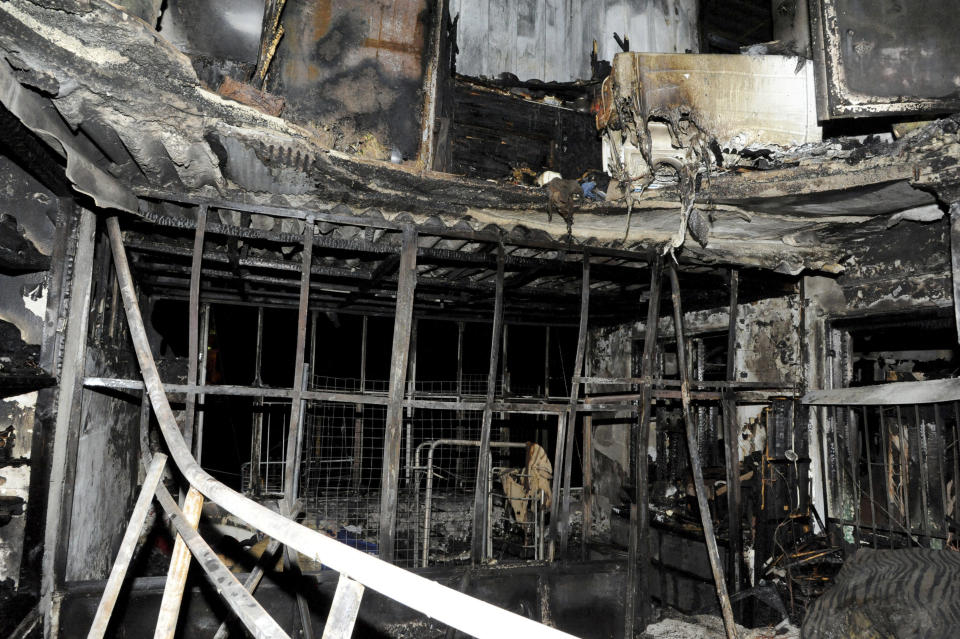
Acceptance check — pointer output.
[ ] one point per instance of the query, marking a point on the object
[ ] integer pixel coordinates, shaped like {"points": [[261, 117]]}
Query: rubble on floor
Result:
{"points": [[678, 626]]}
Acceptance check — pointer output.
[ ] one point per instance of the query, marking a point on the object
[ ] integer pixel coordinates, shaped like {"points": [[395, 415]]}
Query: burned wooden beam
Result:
{"points": [[293, 445], [731, 440], [695, 466], [929, 391], [564, 518], [637, 606], [478, 539], [403, 319], [194, 323], [66, 433]]}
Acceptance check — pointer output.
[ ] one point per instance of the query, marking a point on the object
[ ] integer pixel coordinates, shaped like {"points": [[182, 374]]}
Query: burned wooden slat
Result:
{"points": [[564, 518], [204, 339], [253, 580], [556, 485], [343, 609], [546, 363], [885, 446], [193, 338], [928, 391], [291, 470], [481, 504], [504, 364], [637, 605], [293, 443], [695, 466], [923, 461], [904, 453], [256, 437], [177, 573], [936, 448], [731, 440], [403, 322], [356, 465], [869, 460], [127, 547], [851, 437]]}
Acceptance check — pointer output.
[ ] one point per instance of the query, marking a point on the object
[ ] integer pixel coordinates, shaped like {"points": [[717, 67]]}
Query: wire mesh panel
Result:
{"points": [[342, 465], [342, 461]]}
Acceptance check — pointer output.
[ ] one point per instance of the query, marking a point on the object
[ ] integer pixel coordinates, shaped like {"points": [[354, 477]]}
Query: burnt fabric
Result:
{"points": [[893, 594]]}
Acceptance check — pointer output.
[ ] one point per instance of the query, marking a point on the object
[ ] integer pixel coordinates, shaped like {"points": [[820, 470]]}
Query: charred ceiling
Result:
{"points": [[138, 114]]}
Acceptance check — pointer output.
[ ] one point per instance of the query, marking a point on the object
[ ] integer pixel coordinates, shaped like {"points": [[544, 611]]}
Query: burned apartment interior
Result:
{"points": [[436, 318]]}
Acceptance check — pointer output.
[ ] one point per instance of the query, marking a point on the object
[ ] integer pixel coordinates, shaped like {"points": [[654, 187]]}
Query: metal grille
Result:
{"points": [[892, 471]]}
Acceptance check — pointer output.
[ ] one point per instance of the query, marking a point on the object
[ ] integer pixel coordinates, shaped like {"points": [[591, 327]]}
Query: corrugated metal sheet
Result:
{"points": [[552, 39]]}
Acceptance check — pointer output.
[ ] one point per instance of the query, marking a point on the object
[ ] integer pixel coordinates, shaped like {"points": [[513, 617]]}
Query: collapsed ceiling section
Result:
{"points": [[134, 119]]}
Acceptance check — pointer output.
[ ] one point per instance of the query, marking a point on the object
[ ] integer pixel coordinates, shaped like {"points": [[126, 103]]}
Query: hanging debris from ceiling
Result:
{"points": [[675, 119]]}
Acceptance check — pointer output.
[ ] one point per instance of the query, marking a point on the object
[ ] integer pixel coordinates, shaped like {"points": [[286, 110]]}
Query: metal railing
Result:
{"points": [[427, 470], [357, 569], [891, 458], [891, 472]]}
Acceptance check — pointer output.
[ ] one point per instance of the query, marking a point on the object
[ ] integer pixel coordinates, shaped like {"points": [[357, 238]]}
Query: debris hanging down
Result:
{"points": [[676, 119], [563, 195]]}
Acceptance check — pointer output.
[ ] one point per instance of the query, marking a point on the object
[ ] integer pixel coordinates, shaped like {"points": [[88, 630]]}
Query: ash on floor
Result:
{"points": [[678, 626]]}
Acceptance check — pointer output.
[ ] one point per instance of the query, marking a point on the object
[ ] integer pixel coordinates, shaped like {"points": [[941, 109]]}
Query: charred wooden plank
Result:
{"points": [[403, 321]]}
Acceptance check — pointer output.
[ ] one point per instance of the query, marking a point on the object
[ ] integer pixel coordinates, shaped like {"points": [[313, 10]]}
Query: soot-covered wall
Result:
{"points": [[768, 349], [29, 213]]}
